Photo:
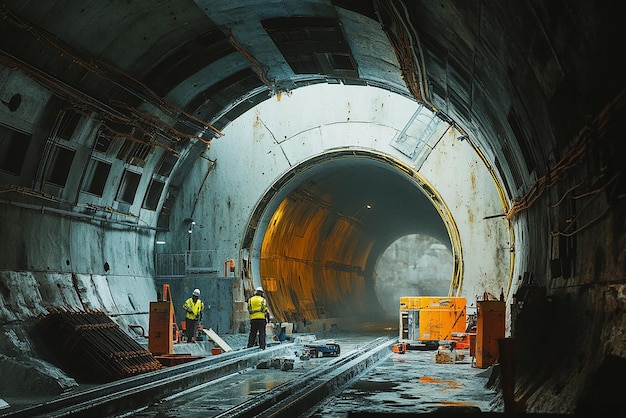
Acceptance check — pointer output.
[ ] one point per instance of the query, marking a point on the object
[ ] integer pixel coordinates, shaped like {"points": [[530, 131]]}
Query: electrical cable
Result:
{"points": [[582, 148]]}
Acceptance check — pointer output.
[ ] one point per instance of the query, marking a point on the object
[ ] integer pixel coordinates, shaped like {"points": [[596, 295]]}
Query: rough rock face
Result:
{"points": [[25, 371], [600, 394], [31, 377]]}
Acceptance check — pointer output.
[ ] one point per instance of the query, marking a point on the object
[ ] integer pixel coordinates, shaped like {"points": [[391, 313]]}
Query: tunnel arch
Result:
{"points": [[523, 82], [317, 234], [268, 146]]}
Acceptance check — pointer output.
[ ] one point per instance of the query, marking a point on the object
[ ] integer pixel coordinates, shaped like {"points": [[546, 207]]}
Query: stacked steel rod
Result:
{"points": [[93, 348]]}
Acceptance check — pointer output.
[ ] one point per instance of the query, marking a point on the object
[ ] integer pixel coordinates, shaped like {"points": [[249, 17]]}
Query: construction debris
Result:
{"points": [[217, 339], [448, 354], [399, 348]]}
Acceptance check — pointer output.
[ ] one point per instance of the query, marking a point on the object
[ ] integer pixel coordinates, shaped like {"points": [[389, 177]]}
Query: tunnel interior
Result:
{"points": [[321, 245], [115, 121]]}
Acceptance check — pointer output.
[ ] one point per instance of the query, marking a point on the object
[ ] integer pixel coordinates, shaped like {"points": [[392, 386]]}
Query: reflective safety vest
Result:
{"points": [[257, 307], [193, 309]]}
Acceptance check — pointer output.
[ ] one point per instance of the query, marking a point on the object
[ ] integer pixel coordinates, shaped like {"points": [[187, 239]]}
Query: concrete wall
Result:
{"points": [[265, 142]]}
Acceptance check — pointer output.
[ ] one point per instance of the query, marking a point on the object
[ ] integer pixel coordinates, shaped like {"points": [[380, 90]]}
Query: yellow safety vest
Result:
{"points": [[257, 307], [193, 309]]}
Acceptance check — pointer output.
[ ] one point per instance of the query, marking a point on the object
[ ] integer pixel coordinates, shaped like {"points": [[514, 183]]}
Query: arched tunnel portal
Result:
{"points": [[320, 237], [316, 202]]}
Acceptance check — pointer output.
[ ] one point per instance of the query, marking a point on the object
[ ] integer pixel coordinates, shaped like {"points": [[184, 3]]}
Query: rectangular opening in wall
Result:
{"points": [[125, 150], [128, 187], [103, 142], [96, 176], [58, 165], [312, 45], [154, 194], [140, 154], [135, 152], [13, 148], [67, 124], [342, 62], [167, 163]]}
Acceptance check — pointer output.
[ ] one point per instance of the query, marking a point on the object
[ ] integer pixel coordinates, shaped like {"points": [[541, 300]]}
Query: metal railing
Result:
{"points": [[179, 265]]}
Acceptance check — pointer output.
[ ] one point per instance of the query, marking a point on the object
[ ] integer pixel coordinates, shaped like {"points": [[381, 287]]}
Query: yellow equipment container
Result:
{"points": [[423, 302], [431, 318]]}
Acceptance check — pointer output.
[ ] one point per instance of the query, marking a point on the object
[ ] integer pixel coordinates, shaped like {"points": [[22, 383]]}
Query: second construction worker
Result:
{"points": [[193, 313], [257, 309]]}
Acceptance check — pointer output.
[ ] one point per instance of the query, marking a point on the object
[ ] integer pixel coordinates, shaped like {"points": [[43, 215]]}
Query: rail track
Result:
{"points": [[292, 398], [296, 397]]}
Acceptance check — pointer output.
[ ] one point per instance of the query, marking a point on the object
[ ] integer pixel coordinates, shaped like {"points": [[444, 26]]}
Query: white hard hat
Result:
{"points": [[259, 289], [196, 292]]}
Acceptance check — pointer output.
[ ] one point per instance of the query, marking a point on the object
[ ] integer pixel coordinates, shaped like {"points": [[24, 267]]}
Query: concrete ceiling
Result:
{"points": [[489, 69]]}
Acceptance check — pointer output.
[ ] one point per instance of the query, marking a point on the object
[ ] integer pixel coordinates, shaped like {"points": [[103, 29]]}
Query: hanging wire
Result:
{"points": [[407, 47], [573, 221], [261, 73], [577, 154], [107, 72]]}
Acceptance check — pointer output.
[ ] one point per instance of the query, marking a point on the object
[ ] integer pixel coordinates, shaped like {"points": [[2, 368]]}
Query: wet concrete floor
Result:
{"points": [[413, 383], [401, 383]]}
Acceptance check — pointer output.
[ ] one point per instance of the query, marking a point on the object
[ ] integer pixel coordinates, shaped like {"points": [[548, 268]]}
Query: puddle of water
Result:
{"points": [[412, 383]]}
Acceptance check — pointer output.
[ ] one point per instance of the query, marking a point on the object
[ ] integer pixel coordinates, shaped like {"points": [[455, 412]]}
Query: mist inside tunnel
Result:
{"points": [[332, 246], [413, 265]]}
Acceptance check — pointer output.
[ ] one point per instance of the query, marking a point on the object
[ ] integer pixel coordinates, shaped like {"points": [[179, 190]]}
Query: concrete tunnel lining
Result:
{"points": [[272, 144], [523, 82], [318, 242]]}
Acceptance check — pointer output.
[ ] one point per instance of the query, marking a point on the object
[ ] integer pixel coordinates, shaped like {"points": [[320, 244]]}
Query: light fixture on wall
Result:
{"points": [[191, 224]]}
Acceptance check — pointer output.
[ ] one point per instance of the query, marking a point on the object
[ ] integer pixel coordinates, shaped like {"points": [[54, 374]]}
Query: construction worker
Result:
{"points": [[193, 308], [257, 310]]}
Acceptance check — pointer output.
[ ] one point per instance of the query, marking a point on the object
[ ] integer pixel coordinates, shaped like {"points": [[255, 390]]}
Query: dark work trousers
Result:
{"points": [[257, 326], [191, 328]]}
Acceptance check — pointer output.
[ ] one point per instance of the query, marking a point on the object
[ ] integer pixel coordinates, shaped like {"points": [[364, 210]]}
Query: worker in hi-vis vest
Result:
{"points": [[193, 308], [257, 309]]}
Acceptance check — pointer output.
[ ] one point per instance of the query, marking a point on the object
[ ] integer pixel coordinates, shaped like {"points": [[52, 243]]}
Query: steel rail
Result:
{"points": [[295, 397], [138, 391]]}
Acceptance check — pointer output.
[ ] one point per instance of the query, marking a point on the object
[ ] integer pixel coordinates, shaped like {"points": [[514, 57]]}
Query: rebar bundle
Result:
{"points": [[93, 348]]}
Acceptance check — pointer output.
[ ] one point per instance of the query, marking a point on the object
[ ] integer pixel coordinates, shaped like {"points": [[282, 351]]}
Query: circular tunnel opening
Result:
{"points": [[322, 234], [413, 265]]}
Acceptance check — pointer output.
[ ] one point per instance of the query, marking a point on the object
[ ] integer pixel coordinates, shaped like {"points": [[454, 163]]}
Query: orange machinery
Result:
{"points": [[490, 327], [163, 329], [431, 318]]}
